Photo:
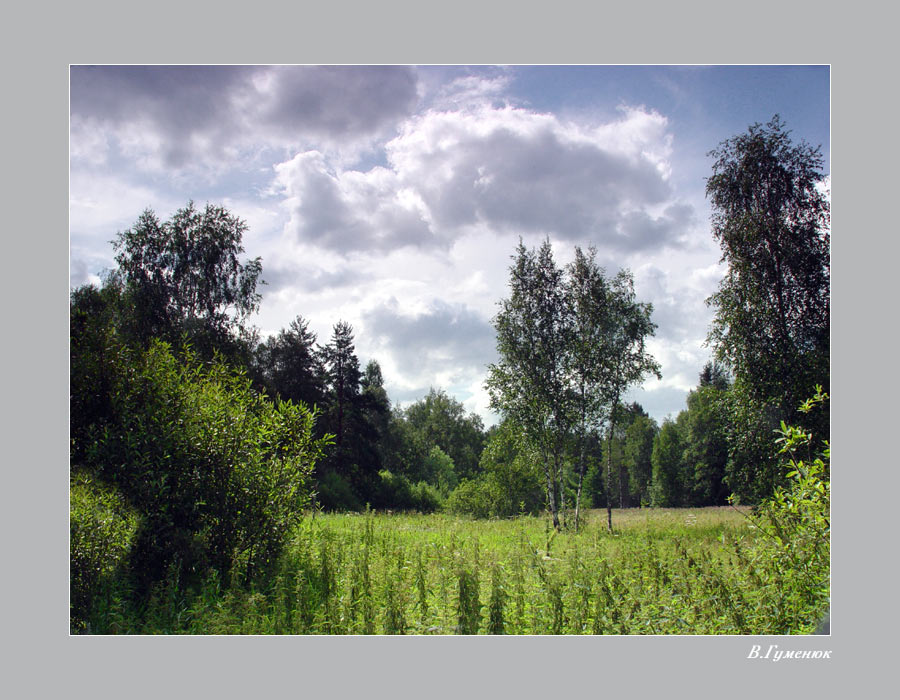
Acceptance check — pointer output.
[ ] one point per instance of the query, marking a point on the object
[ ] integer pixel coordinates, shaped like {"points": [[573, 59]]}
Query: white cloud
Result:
{"points": [[497, 169], [348, 210]]}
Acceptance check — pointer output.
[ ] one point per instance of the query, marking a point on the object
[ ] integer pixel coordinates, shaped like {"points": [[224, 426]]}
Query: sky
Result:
{"points": [[393, 197]]}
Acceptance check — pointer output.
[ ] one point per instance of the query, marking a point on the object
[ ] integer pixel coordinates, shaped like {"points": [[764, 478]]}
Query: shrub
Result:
{"points": [[440, 471], [471, 497], [394, 491], [790, 561], [101, 532], [509, 483], [425, 497], [218, 471]]}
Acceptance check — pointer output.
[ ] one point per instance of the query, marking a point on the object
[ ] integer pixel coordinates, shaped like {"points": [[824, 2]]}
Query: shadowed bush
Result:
{"points": [[101, 534]]}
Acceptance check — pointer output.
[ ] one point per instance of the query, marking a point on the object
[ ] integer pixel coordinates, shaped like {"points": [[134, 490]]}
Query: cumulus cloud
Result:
{"points": [[472, 91], [496, 169], [350, 211], [660, 402], [393, 197]]}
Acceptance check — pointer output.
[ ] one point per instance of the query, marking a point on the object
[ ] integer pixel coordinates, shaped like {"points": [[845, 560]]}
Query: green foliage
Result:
{"points": [[706, 446], [101, 532], [664, 572], [439, 420], [472, 497], [752, 471], [356, 412], [395, 492], [638, 456], [404, 446], [184, 276], [334, 492], [440, 471], [791, 561], [425, 497], [343, 377], [668, 466], [570, 343], [510, 479], [218, 472], [288, 365], [468, 604], [529, 382], [772, 323], [497, 605]]}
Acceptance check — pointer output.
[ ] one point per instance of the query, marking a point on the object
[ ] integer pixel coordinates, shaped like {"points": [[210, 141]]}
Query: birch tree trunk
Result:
{"points": [[612, 427]]}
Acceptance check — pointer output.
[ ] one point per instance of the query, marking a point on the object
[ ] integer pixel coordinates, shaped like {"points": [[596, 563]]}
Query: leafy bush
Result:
{"points": [[425, 497], [791, 560], [510, 479], [440, 471], [101, 532], [472, 497], [219, 472], [394, 491]]}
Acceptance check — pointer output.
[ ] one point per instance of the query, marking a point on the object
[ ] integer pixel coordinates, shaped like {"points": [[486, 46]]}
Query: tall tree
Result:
{"points": [[714, 374], [668, 488], [185, 277], [589, 363], [771, 216], [372, 421], [343, 377], [630, 362], [529, 382], [289, 365], [706, 446]]}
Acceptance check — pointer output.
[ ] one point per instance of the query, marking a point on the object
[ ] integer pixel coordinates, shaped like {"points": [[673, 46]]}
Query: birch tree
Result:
{"points": [[630, 362], [529, 381]]}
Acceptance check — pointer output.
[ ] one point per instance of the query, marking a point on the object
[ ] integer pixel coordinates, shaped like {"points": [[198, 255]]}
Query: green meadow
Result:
{"points": [[661, 571]]}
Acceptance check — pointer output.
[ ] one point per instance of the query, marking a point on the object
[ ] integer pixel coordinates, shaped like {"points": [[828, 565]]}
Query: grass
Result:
{"points": [[678, 571]]}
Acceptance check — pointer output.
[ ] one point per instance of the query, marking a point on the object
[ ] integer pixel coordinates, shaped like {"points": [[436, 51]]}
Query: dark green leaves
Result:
{"points": [[184, 275]]}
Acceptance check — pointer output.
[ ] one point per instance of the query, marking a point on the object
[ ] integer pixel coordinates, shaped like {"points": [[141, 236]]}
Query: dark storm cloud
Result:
{"points": [[339, 101], [190, 111], [174, 104], [445, 337], [183, 99]]}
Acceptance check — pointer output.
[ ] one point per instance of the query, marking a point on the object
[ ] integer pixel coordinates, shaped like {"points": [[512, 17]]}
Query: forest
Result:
{"points": [[225, 483]]}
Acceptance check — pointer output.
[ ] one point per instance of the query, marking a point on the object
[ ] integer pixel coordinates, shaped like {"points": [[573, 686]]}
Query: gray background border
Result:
{"points": [[41, 659]]}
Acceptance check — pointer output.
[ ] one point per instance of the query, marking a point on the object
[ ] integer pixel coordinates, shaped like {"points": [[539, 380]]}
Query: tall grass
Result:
{"points": [[660, 572]]}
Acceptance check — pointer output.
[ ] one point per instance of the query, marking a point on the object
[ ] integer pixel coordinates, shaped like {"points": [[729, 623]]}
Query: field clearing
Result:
{"points": [[662, 571]]}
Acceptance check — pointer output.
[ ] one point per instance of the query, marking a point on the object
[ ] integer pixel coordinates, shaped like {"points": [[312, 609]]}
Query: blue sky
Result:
{"points": [[393, 197]]}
